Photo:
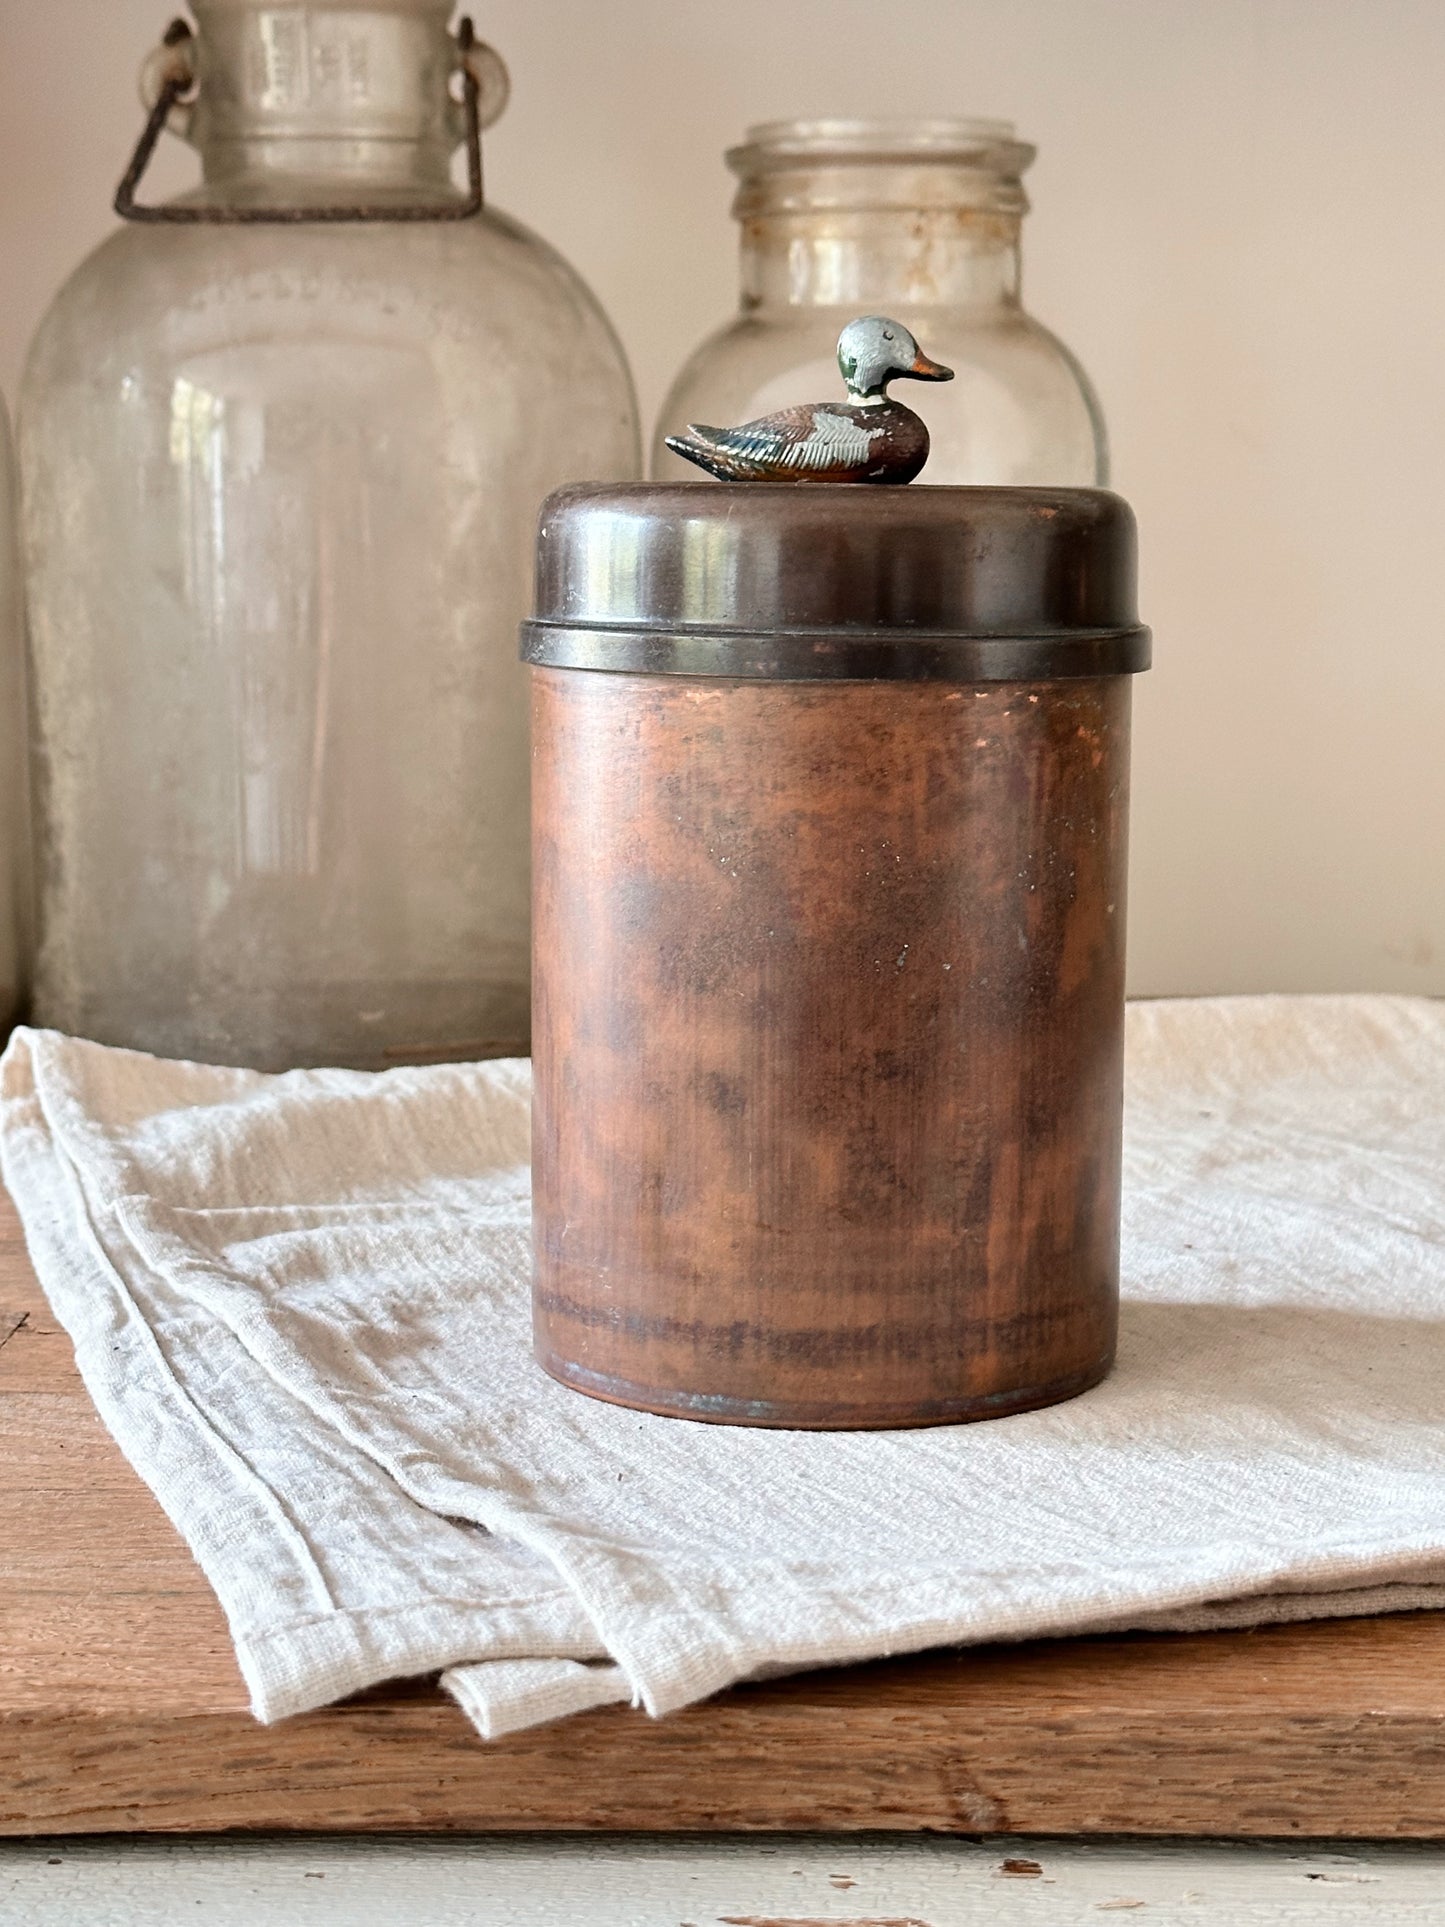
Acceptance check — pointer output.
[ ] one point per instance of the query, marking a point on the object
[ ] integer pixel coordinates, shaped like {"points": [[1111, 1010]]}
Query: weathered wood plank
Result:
{"points": [[790, 1882], [36, 1356]]}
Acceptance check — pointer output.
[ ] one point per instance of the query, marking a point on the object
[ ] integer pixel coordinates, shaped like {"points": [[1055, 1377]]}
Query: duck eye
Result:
{"points": [[887, 334]]}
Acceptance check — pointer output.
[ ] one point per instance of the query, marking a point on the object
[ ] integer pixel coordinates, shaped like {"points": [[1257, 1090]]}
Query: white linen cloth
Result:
{"points": [[301, 1306]]}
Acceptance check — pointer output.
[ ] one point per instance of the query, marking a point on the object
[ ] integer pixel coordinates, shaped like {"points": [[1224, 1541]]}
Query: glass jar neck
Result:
{"points": [[352, 97], [868, 214], [873, 259]]}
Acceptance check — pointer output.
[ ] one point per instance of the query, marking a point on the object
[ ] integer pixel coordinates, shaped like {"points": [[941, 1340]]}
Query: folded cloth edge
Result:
{"points": [[170, 1445]]}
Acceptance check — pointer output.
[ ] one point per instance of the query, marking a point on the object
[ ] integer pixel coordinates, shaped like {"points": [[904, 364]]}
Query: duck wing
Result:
{"points": [[796, 444]]}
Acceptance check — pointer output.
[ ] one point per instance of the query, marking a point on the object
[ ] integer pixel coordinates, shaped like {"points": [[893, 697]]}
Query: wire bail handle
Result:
{"points": [[168, 88]]}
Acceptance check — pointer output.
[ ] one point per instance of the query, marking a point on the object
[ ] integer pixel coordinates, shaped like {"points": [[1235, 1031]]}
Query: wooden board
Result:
{"points": [[121, 1707]]}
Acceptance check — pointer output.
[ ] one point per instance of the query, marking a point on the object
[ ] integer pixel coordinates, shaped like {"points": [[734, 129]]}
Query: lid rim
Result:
{"points": [[989, 145], [834, 654]]}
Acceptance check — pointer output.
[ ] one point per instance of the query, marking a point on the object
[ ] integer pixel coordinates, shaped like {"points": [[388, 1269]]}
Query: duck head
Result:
{"points": [[873, 351]]}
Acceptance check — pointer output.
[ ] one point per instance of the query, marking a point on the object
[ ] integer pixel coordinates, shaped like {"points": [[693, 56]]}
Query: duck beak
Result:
{"points": [[927, 370]]}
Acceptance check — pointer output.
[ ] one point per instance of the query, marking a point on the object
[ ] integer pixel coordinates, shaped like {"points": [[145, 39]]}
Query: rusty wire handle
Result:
{"points": [[180, 83]]}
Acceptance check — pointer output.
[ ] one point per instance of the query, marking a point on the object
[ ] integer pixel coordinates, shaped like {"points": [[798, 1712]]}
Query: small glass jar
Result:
{"points": [[919, 220], [283, 446]]}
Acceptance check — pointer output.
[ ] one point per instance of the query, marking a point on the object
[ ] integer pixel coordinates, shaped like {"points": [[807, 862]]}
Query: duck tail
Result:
{"points": [[692, 448]]}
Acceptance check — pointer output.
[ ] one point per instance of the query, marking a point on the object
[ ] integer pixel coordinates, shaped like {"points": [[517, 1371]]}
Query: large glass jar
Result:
{"points": [[281, 480], [14, 839], [915, 219]]}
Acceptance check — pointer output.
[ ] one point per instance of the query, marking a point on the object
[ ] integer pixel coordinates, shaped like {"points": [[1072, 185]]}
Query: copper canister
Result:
{"points": [[830, 788]]}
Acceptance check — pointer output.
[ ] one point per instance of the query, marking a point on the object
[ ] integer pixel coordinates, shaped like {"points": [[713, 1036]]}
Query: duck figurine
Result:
{"points": [[868, 438]]}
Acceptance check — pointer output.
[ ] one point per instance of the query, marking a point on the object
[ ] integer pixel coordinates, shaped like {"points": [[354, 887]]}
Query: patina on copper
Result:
{"points": [[828, 981]]}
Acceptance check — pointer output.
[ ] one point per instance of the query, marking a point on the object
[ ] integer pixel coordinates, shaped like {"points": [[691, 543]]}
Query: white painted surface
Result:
{"points": [[622, 1881], [1238, 208]]}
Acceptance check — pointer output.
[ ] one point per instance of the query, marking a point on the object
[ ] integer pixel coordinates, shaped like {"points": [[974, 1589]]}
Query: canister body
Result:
{"points": [[828, 1034]]}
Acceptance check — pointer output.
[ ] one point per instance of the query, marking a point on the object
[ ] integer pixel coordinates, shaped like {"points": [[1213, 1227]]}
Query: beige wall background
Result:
{"points": [[1239, 226]]}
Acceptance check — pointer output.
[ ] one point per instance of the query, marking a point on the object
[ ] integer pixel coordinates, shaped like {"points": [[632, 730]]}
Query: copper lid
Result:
{"points": [[797, 581]]}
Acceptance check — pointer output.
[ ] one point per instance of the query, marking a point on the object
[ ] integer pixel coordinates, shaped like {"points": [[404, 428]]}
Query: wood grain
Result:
{"points": [[121, 1708]]}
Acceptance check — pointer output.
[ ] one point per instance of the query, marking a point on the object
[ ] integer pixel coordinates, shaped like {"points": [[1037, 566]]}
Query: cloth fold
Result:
{"points": [[300, 1304]]}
